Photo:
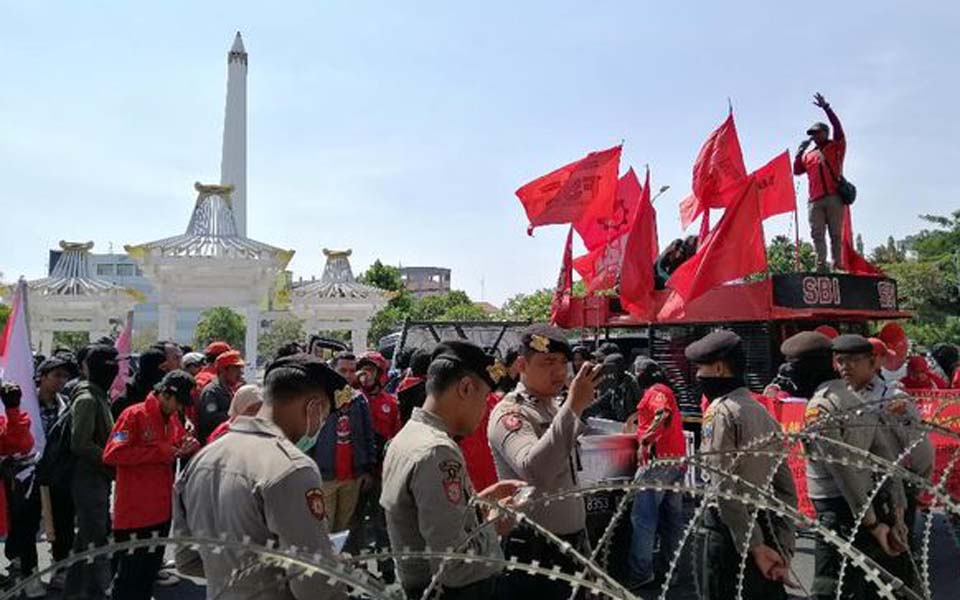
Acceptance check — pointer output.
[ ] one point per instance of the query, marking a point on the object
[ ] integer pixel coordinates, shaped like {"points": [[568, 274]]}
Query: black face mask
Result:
{"points": [[715, 387], [807, 374]]}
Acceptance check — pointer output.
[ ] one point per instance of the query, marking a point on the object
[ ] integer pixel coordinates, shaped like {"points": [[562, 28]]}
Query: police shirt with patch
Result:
{"points": [[537, 443], [426, 496]]}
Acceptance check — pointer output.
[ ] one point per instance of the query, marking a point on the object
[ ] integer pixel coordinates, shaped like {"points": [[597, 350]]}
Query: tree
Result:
{"points": [[220, 324], [74, 340], [282, 331], [4, 315], [382, 276], [889, 253], [782, 256], [452, 306], [534, 307], [143, 338]]}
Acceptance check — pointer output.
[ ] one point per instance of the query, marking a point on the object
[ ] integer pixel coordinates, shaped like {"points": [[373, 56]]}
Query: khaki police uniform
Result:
{"points": [[735, 422], [537, 443], [426, 496], [839, 492], [253, 482]]}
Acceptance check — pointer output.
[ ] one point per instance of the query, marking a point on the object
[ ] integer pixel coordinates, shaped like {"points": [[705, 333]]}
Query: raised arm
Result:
{"points": [[820, 101]]}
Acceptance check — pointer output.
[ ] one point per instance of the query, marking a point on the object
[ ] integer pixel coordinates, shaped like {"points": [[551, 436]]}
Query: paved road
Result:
{"points": [[944, 570]]}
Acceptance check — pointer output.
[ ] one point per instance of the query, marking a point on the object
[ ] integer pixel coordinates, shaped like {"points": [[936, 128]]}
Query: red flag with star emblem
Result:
{"points": [[563, 196], [719, 164], [599, 225]]}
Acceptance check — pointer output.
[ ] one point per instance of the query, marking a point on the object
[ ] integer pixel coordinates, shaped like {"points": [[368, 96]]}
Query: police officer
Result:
{"points": [[840, 491], [257, 483], [733, 422], [859, 366], [426, 490], [533, 437]]}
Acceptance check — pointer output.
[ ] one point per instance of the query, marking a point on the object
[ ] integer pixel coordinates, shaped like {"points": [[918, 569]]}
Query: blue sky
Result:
{"points": [[402, 130]]}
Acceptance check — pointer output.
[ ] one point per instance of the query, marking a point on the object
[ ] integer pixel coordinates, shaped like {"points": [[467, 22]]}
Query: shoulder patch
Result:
{"points": [[812, 413], [452, 480], [121, 436], [386, 408], [897, 407], [511, 421], [315, 503]]}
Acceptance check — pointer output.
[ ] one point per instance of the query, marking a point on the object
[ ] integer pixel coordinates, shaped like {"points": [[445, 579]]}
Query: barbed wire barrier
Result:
{"points": [[593, 574]]}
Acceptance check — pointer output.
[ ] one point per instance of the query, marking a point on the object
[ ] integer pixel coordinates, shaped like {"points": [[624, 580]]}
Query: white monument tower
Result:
{"points": [[233, 160]]}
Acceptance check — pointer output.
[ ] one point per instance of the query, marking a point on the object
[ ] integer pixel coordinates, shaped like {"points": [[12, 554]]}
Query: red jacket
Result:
{"points": [[15, 438], [476, 451], [385, 414], [142, 447]]}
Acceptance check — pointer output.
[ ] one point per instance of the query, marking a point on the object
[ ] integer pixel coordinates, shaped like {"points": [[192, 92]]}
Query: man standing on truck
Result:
{"points": [[823, 166], [533, 437]]}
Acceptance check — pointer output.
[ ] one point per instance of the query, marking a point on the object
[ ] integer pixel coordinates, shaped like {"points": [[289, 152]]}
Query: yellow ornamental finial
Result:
{"points": [[497, 371], [343, 396]]}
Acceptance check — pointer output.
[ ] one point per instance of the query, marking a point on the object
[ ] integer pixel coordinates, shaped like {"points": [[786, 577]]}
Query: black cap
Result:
{"points": [[52, 364], [472, 358], [851, 343], [180, 384], [712, 347], [545, 339], [818, 126], [315, 369], [804, 344]]}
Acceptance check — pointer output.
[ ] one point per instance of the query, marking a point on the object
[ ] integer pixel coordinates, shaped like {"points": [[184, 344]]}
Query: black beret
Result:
{"points": [[545, 339], [851, 343], [805, 343], [316, 370], [712, 347], [180, 384], [472, 358], [52, 364]]}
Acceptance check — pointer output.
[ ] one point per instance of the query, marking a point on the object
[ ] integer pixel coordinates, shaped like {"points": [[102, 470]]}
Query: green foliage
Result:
{"points": [[452, 306], [220, 324], [143, 338], [382, 276], [927, 334], [889, 253], [74, 340], [282, 331], [534, 306], [782, 256], [4, 315]]}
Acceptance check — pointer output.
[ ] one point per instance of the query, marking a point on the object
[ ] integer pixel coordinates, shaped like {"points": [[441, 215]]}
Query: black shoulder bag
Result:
{"points": [[846, 190]]}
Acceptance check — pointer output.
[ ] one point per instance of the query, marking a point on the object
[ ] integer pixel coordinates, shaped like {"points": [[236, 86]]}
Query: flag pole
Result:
{"points": [[796, 234]]}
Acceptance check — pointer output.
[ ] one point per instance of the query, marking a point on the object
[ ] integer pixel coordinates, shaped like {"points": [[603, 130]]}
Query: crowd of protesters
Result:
{"points": [[109, 466]]}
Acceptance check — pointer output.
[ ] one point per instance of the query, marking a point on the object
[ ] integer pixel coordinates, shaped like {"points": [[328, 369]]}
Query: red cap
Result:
{"points": [[917, 365], [229, 359], [828, 331], [895, 338], [377, 360], [215, 349]]}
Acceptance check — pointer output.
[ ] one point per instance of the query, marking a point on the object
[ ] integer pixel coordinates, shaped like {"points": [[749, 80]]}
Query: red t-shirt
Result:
{"points": [[669, 442], [819, 181], [343, 452], [476, 451], [385, 414]]}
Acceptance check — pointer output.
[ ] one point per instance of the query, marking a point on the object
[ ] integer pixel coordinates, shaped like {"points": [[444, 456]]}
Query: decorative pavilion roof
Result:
{"points": [[71, 276], [337, 281], [212, 233]]}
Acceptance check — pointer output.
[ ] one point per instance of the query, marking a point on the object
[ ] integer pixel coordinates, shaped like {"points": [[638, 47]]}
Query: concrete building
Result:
{"points": [[425, 281]]}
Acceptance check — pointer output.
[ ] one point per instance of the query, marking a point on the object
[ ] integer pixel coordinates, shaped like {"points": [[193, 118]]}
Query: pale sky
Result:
{"points": [[402, 132]]}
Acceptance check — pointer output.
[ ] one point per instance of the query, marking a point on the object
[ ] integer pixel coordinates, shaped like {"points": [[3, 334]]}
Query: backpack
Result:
{"points": [[56, 464]]}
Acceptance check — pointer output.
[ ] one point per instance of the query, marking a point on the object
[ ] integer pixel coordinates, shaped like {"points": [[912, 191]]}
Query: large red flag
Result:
{"points": [[560, 305], [734, 249], [597, 228], [563, 195], [640, 251], [719, 164], [851, 260], [774, 186]]}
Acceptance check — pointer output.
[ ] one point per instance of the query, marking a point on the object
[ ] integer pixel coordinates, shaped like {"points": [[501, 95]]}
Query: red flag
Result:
{"points": [[851, 260], [560, 305], [774, 185], [597, 228], [734, 249], [719, 164], [563, 195], [640, 251]]}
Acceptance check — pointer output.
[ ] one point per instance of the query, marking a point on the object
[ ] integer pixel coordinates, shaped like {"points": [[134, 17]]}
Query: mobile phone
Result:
{"points": [[524, 494]]}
